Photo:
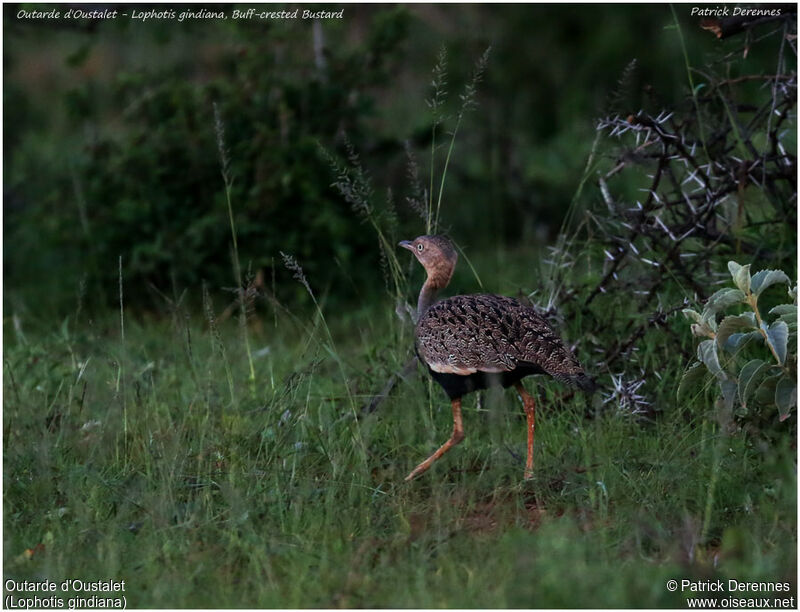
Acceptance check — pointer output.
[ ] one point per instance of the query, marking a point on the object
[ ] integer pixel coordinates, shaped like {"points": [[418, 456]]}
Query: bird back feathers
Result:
{"points": [[466, 334]]}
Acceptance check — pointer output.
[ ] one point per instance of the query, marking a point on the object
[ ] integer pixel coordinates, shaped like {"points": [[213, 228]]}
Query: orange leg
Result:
{"points": [[530, 411], [455, 438]]}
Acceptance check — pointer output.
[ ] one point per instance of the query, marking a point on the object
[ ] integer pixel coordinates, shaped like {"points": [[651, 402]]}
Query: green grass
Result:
{"points": [[132, 460]]}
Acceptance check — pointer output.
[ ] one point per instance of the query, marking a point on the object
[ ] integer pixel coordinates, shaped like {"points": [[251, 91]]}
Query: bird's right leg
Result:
{"points": [[530, 412], [455, 438]]}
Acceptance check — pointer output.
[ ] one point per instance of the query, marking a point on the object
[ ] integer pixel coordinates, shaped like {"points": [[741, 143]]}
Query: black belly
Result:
{"points": [[456, 385]]}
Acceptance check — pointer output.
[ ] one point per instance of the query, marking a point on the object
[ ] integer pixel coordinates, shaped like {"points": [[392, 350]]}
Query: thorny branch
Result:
{"points": [[699, 194]]}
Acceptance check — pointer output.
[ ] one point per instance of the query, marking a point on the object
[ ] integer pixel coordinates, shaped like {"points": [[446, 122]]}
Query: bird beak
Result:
{"points": [[406, 244]]}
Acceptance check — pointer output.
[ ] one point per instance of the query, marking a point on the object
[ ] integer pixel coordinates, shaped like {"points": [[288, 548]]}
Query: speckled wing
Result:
{"points": [[466, 334]]}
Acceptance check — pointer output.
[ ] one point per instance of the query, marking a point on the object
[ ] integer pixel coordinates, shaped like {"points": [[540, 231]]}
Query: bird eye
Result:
{"points": [[420, 246]]}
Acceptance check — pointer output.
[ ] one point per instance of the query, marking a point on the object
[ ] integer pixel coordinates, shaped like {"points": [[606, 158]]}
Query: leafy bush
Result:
{"points": [[753, 360], [147, 178]]}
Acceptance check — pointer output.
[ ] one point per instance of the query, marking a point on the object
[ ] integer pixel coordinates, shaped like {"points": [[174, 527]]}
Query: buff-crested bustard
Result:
{"points": [[471, 342]]}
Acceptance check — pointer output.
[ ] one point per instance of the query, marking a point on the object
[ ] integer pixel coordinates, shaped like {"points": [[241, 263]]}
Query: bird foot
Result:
{"points": [[422, 467], [528, 475]]}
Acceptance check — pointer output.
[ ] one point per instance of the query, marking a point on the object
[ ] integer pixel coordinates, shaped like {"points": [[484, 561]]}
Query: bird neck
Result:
{"points": [[427, 295]]}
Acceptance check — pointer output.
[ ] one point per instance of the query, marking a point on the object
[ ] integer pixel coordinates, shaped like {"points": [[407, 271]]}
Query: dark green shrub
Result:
{"points": [[148, 179]]}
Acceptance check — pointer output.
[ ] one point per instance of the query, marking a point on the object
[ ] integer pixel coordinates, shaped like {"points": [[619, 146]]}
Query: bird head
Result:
{"points": [[437, 255]]}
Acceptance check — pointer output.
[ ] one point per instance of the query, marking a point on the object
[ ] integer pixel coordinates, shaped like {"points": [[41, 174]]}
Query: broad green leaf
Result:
{"points": [[781, 309], [707, 353], [764, 278], [722, 299], [709, 324], [788, 314], [691, 314], [692, 380], [738, 341], [702, 330], [790, 320], [785, 395], [751, 374], [742, 279], [765, 393], [741, 275], [699, 327], [778, 337], [733, 324]]}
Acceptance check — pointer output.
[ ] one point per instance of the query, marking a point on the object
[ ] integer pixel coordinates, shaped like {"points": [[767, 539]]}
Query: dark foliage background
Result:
{"points": [[111, 150]]}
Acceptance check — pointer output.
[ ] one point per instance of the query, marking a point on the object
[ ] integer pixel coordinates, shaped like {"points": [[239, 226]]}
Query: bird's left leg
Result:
{"points": [[530, 411], [455, 438]]}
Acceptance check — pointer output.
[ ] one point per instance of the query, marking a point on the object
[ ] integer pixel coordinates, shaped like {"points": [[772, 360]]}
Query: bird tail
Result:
{"points": [[585, 383]]}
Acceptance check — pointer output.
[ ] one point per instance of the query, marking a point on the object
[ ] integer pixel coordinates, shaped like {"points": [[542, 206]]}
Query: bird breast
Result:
{"points": [[466, 334]]}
